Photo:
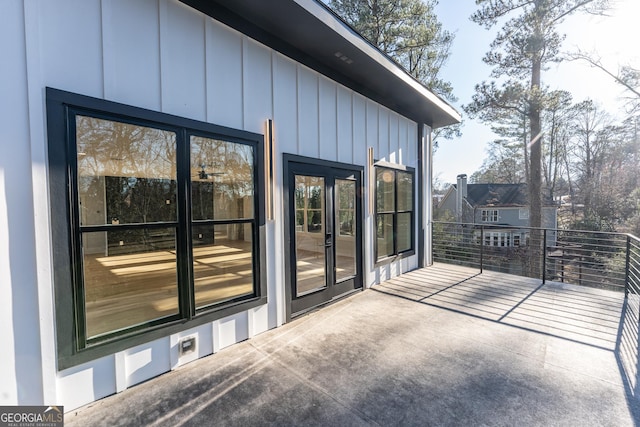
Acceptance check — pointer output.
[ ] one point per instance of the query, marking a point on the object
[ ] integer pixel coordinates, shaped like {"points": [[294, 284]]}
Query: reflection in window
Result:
{"points": [[385, 235], [222, 262], [404, 231], [126, 177], [405, 191], [394, 211], [126, 173], [221, 179], [385, 190], [346, 249], [309, 199], [131, 283], [222, 207], [309, 239], [127, 188]]}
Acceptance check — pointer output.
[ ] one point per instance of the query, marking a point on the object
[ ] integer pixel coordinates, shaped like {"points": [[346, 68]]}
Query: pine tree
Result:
{"points": [[409, 32], [527, 42]]}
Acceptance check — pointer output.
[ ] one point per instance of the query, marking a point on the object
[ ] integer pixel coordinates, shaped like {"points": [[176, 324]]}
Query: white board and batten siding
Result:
{"points": [[163, 56]]}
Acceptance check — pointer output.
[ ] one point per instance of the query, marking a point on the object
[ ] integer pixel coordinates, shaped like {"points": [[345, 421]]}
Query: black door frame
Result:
{"points": [[293, 163]]}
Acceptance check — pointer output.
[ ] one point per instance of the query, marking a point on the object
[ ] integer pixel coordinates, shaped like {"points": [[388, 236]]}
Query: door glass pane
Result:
{"points": [[384, 225], [309, 239], [222, 262], [404, 232], [129, 278], [345, 245], [221, 179], [126, 173]]}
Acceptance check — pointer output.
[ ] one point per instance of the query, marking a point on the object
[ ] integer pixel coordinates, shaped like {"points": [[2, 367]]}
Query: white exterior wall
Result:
{"points": [[164, 56]]}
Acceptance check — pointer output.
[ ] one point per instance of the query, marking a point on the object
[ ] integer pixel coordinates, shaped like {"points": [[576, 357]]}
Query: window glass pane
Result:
{"points": [[385, 190], [129, 278], [405, 191], [126, 173], [221, 179], [384, 225], [404, 232], [222, 262]]}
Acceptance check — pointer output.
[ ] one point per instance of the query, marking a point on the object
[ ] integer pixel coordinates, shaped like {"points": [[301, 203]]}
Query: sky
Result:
{"points": [[615, 38]]}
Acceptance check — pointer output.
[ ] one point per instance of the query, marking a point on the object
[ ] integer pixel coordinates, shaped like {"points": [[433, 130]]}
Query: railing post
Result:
{"points": [[544, 256], [626, 267], [481, 247]]}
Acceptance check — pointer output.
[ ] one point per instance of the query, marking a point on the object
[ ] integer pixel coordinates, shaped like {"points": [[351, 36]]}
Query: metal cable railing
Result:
{"points": [[589, 258], [632, 271]]}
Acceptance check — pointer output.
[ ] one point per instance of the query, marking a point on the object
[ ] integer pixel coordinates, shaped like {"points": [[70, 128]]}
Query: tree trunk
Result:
{"points": [[525, 143], [535, 180]]}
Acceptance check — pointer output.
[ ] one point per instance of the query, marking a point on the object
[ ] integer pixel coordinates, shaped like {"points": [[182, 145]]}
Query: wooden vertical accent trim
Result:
{"points": [[371, 180], [268, 168]]}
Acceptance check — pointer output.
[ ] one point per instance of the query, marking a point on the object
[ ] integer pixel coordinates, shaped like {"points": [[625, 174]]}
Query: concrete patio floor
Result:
{"points": [[438, 346]]}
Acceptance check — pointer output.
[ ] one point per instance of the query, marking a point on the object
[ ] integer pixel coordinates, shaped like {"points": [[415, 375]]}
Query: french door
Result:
{"points": [[324, 230]]}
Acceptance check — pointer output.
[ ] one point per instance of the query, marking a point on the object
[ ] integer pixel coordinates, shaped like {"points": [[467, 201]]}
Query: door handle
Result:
{"points": [[328, 241]]}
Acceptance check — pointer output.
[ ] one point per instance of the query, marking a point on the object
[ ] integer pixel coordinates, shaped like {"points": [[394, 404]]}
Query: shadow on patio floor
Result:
{"points": [[437, 346], [584, 315], [597, 318]]}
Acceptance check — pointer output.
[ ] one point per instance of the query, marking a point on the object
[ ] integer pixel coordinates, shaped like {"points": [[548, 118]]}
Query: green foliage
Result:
{"points": [[406, 30], [525, 45]]}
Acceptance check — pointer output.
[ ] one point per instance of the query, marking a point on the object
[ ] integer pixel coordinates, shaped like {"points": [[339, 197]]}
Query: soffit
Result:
{"points": [[311, 34]]}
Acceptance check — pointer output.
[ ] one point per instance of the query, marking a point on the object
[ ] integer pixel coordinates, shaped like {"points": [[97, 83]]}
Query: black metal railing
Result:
{"points": [[632, 271], [589, 258]]}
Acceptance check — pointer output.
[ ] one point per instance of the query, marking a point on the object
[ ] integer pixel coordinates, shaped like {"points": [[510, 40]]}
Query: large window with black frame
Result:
{"points": [[163, 218], [394, 212]]}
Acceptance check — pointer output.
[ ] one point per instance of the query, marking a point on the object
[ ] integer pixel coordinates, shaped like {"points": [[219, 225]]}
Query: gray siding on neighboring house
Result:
{"points": [[448, 203], [517, 216]]}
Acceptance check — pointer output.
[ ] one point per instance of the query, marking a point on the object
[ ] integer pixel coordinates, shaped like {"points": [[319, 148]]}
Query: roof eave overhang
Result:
{"points": [[311, 34]]}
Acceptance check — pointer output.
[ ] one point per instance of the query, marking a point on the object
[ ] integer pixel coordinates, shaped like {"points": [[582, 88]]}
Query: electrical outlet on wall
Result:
{"points": [[187, 345]]}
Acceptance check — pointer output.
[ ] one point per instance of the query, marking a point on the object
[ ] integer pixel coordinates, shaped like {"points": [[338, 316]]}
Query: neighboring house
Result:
{"points": [[496, 206], [179, 176]]}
